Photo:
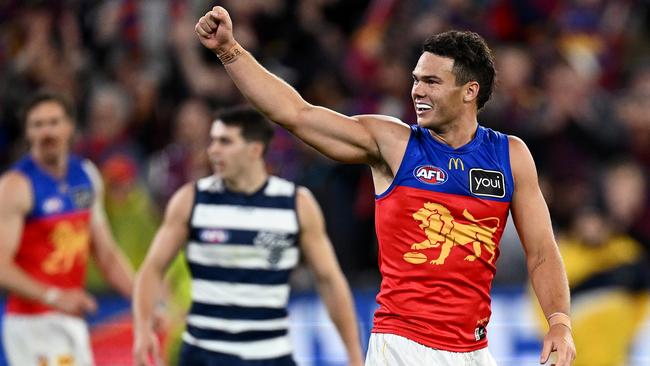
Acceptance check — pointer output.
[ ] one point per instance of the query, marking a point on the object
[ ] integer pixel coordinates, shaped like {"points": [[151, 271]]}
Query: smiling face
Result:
{"points": [[49, 131], [230, 154], [438, 101]]}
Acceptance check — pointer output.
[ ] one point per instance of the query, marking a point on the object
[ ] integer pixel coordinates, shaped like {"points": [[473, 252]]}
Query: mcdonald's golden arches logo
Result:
{"points": [[456, 162]]}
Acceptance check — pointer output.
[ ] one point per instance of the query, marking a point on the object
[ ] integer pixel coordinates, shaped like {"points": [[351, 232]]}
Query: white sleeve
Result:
{"points": [[98, 188]]}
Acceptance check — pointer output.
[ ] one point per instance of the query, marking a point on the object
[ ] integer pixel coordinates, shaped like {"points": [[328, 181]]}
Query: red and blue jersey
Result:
{"points": [[438, 227], [55, 240]]}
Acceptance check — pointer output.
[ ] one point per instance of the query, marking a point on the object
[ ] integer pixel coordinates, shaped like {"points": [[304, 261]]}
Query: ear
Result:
{"points": [[470, 92]]}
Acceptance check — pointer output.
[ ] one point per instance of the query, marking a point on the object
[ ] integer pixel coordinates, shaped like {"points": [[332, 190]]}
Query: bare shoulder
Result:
{"points": [[391, 135], [16, 190], [521, 160], [15, 180], [380, 124], [303, 193], [184, 195], [179, 206], [305, 201]]}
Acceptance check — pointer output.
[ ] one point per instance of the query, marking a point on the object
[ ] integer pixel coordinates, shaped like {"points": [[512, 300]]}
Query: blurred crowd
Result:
{"points": [[573, 82]]}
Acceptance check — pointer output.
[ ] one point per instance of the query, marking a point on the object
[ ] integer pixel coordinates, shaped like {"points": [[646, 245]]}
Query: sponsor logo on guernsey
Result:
{"points": [[479, 333], [488, 183], [430, 174], [52, 205], [213, 236], [82, 197], [457, 164]]}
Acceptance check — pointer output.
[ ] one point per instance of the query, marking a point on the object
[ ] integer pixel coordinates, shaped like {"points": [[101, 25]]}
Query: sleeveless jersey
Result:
{"points": [[55, 240], [438, 227], [241, 251]]}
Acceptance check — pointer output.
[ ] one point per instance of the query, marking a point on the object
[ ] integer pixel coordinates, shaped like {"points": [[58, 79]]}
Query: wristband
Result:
{"points": [[559, 318], [51, 295], [231, 55]]}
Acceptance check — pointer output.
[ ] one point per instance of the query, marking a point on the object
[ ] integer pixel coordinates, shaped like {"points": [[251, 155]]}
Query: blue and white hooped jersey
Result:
{"points": [[241, 251]]}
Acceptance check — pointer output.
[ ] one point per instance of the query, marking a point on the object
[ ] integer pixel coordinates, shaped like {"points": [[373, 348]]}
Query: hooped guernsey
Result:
{"points": [[438, 227], [55, 240], [241, 251]]}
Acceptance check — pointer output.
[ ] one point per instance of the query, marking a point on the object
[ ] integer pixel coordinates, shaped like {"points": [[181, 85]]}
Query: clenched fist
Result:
{"points": [[215, 30]]}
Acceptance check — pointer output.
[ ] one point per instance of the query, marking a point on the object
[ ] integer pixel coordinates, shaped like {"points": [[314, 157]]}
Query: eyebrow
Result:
{"points": [[426, 77]]}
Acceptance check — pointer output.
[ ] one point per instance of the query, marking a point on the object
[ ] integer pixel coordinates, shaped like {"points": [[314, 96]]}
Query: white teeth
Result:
{"points": [[422, 106]]}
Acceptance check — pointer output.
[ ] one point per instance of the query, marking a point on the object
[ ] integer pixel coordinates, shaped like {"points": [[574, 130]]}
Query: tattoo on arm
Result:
{"points": [[537, 265]]}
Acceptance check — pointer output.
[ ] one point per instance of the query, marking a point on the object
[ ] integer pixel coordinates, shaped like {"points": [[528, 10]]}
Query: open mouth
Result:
{"points": [[422, 107]]}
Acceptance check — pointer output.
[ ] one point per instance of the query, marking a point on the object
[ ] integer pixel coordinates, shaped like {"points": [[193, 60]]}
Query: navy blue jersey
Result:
{"points": [[241, 251]]}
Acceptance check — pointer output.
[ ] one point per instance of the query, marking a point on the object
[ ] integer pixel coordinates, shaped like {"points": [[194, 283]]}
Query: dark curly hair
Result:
{"points": [[472, 59]]}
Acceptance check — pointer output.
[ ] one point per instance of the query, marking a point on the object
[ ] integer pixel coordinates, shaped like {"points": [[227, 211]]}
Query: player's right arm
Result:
{"points": [[170, 238], [17, 200], [359, 139]]}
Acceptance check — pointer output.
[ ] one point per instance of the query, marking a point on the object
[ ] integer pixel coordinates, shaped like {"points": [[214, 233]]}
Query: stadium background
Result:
{"points": [[574, 83]]}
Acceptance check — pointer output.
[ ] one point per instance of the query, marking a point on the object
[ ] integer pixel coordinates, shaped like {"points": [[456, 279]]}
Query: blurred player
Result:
{"points": [[51, 220], [444, 189], [240, 229]]}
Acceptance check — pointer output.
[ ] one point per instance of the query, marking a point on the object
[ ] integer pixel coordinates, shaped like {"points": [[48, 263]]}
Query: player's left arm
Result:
{"points": [[545, 266], [110, 259], [332, 286]]}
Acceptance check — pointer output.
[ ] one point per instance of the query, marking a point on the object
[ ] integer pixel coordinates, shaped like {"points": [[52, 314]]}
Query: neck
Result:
{"points": [[55, 166], [457, 133], [249, 181]]}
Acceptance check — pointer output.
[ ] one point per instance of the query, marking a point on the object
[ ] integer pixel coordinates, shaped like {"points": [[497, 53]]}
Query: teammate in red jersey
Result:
{"points": [[51, 220], [443, 188]]}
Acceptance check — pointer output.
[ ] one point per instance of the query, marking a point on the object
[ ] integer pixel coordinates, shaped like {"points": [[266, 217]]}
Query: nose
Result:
{"points": [[416, 90]]}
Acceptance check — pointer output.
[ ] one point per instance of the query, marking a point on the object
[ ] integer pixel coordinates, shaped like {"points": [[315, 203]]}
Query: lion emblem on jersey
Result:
{"points": [[69, 244], [442, 229]]}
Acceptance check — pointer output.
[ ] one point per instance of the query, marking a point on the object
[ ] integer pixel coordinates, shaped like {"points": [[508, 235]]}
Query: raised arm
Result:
{"points": [[342, 138], [545, 266], [331, 283], [170, 238], [110, 259]]}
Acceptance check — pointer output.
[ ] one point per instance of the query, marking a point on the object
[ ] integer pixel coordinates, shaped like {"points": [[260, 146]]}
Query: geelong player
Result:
{"points": [[242, 230]]}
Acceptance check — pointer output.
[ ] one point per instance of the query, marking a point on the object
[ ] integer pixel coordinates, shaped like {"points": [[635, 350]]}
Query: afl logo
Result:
{"points": [[52, 205], [213, 236], [430, 174]]}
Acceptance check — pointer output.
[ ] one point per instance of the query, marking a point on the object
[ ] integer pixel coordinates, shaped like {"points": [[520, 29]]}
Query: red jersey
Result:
{"points": [[55, 241], [438, 228]]}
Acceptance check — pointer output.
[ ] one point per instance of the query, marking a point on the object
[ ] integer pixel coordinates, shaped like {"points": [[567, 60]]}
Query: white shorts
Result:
{"points": [[51, 339], [394, 350]]}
